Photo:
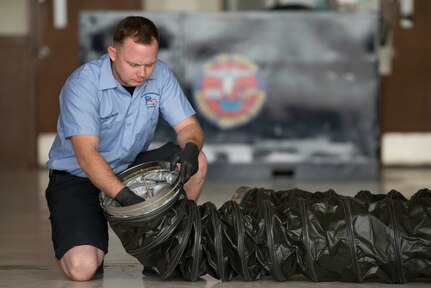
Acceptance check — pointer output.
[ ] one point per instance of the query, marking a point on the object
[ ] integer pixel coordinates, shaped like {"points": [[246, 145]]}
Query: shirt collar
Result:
{"points": [[106, 80], [155, 71]]}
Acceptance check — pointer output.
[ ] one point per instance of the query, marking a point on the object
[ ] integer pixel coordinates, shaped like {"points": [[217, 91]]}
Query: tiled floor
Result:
{"points": [[26, 256]]}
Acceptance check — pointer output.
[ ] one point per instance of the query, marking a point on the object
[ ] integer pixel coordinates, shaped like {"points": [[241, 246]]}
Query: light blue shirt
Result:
{"points": [[92, 102]]}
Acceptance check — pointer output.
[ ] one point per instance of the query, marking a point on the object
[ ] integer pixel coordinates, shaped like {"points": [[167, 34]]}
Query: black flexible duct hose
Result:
{"points": [[323, 235]]}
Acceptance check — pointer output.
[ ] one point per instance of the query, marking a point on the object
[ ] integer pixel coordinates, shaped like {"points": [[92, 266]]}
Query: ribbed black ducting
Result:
{"points": [[323, 235]]}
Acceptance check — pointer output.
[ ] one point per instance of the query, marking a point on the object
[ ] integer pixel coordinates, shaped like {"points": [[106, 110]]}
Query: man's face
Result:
{"points": [[133, 63]]}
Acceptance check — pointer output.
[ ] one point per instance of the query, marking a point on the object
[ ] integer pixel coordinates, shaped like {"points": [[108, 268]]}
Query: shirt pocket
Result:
{"points": [[110, 133], [106, 122]]}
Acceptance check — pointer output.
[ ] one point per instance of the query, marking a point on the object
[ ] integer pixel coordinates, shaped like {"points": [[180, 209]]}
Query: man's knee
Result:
{"points": [[80, 263]]}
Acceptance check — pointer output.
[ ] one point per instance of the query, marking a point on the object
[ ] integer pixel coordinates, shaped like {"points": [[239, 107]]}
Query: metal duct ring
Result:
{"points": [[153, 181]]}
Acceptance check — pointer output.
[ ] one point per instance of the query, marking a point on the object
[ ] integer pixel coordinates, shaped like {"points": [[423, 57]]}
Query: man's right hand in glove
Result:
{"points": [[188, 159], [126, 197]]}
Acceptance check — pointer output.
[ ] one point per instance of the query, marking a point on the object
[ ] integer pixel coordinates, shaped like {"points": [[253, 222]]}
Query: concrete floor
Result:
{"points": [[27, 260]]}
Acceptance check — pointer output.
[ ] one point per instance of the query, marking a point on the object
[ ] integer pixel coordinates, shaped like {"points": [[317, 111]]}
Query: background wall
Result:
{"points": [[14, 17], [28, 110], [406, 92], [183, 5], [17, 114]]}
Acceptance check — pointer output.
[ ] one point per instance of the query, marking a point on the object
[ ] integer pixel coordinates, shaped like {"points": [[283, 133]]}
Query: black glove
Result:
{"points": [[188, 158], [126, 197]]}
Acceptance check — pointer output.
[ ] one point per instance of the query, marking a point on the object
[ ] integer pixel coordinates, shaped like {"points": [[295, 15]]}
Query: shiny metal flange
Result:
{"points": [[152, 181]]}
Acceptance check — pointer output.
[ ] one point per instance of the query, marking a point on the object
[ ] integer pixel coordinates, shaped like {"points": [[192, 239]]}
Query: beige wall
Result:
{"points": [[14, 18], [183, 5]]}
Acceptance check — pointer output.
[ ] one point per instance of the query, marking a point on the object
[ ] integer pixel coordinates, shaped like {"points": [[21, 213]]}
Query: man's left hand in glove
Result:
{"points": [[188, 159]]}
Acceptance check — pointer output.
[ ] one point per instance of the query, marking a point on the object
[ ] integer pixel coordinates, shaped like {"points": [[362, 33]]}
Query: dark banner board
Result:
{"points": [[285, 93]]}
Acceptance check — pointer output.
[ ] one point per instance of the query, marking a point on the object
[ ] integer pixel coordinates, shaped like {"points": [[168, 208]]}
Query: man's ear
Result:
{"points": [[112, 51]]}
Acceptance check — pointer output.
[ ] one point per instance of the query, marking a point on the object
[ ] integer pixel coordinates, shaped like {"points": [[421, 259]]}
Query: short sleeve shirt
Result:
{"points": [[93, 102]]}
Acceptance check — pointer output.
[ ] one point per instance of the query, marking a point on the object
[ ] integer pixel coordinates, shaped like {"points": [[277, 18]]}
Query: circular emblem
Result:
{"points": [[229, 90]]}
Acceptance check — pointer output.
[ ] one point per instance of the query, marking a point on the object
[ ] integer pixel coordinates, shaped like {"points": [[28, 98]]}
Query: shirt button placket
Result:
{"points": [[128, 133], [127, 130]]}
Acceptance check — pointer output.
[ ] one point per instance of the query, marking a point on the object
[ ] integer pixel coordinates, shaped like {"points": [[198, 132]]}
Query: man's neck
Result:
{"points": [[129, 89]]}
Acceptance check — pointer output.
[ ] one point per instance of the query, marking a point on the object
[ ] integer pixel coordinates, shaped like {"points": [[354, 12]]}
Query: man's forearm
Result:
{"points": [[191, 133], [101, 174]]}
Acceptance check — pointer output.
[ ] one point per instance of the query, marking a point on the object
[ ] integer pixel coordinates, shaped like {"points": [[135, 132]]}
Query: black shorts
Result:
{"points": [[75, 213]]}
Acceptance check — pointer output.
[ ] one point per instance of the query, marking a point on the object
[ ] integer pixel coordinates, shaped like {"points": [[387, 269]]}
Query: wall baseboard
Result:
{"points": [[44, 142], [406, 149], [398, 149]]}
